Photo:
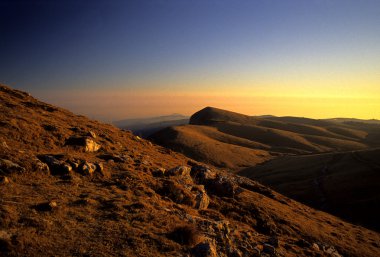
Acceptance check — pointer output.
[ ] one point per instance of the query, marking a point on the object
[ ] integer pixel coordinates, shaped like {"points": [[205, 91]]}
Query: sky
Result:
{"points": [[112, 60]]}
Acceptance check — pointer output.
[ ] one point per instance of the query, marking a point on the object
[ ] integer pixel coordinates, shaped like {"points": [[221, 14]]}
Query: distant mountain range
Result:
{"points": [[145, 127]]}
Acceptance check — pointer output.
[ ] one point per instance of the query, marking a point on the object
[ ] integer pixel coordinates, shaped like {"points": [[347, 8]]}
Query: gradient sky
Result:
{"points": [[118, 59]]}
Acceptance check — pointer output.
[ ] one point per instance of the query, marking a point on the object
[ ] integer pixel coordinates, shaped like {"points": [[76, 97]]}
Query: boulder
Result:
{"points": [[56, 167], [331, 251], [40, 166], [179, 171], [177, 193], [315, 246], [87, 168], [87, 143], [47, 206], [201, 174], [201, 198], [99, 167], [222, 186]]}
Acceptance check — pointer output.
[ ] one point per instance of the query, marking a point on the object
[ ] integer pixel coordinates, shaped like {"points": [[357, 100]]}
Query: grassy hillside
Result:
{"points": [[71, 186], [216, 135]]}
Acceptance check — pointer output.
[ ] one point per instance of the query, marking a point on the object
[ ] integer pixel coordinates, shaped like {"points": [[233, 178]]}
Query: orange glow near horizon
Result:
{"points": [[111, 105]]}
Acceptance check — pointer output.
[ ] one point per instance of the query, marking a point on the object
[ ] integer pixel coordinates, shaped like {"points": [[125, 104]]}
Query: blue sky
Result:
{"points": [[255, 47]]}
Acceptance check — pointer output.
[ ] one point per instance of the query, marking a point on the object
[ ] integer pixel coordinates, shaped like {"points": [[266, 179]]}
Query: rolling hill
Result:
{"points": [[71, 186], [214, 135]]}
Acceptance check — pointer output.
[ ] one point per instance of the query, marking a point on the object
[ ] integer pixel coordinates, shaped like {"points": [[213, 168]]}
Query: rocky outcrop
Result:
{"points": [[86, 143]]}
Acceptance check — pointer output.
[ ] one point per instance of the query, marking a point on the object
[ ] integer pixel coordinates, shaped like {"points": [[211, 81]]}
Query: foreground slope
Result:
{"points": [[235, 141], [71, 186], [345, 184]]}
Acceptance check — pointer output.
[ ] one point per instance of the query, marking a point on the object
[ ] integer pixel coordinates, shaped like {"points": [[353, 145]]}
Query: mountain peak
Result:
{"points": [[212, 114]]}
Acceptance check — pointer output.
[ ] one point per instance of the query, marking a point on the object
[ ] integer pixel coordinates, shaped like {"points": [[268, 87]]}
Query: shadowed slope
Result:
{"points": [[345, 184]]}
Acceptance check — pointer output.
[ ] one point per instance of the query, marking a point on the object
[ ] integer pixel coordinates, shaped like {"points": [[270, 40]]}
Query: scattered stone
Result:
{"points": [[201, 198], [87, 168], [8, 166], [41, 167], [74, 164], [49, 206], [88, 144], [201, 174], [4, 180], [315, 246], [66, 168], [179, 171], [177, 193], [56, 167], [4, 144], [159, 172], [331, 251], [91, 134], [204, 249], [99, 167]]}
